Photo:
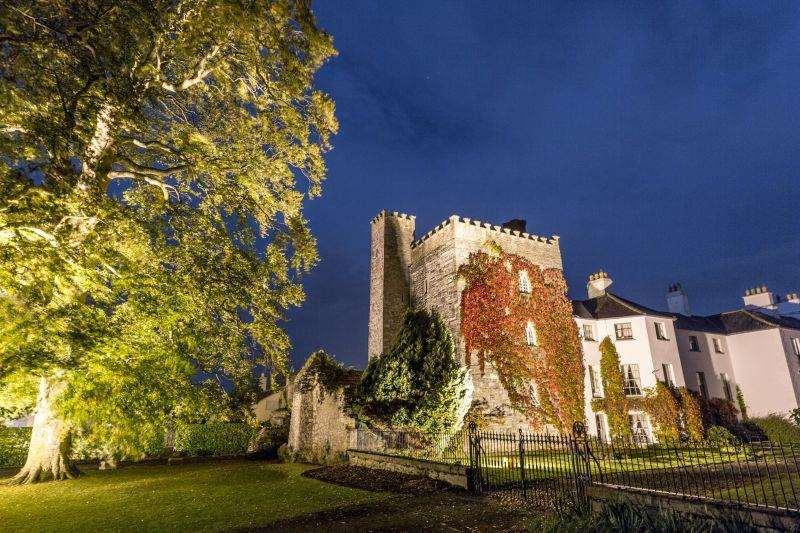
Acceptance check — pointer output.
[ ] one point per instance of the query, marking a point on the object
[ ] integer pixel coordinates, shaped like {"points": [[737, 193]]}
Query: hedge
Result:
{"points": [[775, 428], [213, 439], [13, 446]]}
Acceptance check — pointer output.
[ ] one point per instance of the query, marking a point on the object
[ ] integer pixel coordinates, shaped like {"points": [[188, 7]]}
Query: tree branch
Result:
{"points": [[200, 72]]}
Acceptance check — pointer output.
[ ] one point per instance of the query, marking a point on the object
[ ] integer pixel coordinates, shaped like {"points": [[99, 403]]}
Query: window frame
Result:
{"points": [[645, 435], [590, 337], [694, 343], [669, 374], [524, 282], [796, 345], [716, 342], [635, 378], [661, 331], [595, 384], [623, 327], [531, 335], [702, 384], [726, 386], [601, 424]]}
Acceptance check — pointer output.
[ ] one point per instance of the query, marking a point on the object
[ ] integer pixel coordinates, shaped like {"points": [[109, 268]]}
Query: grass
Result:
{"points": [[199, 497]]}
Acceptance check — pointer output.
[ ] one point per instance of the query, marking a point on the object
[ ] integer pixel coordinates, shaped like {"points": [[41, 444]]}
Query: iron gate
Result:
{"points": [[551, 468]]}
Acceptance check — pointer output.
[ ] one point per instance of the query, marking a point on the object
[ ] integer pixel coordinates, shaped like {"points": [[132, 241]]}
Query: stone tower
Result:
{"points": [[389, 284]]}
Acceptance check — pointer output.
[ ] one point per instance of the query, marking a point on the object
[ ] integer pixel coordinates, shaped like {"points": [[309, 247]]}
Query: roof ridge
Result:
{"points": [[761, 318]]}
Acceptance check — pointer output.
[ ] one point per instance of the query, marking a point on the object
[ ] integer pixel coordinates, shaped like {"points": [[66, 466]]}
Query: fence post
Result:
{"points": [[474, 473], [579, 443], [522, 464]]}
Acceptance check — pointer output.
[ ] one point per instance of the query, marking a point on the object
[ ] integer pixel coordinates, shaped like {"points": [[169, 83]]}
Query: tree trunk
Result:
{"points": [[49, 449]]}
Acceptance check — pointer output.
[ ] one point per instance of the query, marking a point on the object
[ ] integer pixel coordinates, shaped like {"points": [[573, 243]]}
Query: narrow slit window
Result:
{"points": [[524, 282], [531, 339]]}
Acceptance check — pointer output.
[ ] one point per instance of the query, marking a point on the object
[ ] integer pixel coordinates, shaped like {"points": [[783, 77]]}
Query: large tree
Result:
{"points": [[155, 157]]}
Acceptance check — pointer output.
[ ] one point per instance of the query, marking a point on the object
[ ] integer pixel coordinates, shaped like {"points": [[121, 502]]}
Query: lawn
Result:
{"points": [[209, 497]]}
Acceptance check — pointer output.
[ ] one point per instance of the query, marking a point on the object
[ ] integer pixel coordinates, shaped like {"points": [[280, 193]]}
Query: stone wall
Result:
{"points": [[435, 259], [455, 475], [319, 429], [390, 257]]}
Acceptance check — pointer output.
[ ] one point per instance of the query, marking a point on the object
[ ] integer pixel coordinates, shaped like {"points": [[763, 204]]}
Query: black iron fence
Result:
{"points": [[557, 468], [764, 474], [441, 447]]}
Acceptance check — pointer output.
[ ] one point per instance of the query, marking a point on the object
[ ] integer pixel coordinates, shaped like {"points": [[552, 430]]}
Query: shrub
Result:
{"points": [[719, 436], [13, 446], [777, 429], [418, 386], [286, 454], [213, 438]]}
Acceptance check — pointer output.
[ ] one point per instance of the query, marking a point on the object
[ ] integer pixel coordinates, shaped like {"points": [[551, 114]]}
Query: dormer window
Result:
{"points": [[524, 282], [530, 335]]}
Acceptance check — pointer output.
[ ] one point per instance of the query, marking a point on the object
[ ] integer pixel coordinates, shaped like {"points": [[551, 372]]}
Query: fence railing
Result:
{"points": [[557, 468], [442, 447], [764, 474]]}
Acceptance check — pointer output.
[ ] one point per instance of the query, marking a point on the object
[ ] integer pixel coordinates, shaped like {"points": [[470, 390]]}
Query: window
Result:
{"points": [[717, 345], [588, 332], [796, 346], [594, 381], [669, 374], [623, 331], [633, 384], [661, 331], [726, 386], [524, 282], [694, 344], [602, 427], [640, 426], [533, 391], [530, 335], [701, 381]]}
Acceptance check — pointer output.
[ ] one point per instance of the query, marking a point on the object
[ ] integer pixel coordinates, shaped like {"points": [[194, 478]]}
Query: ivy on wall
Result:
{"points": [[494, 316], [669, 408], [320, 368]]}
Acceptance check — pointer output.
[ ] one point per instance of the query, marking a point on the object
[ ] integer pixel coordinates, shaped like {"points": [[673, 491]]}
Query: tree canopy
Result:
{"points": [[155, 157]]}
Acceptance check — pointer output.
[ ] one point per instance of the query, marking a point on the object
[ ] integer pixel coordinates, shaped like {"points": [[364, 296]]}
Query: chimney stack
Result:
{"points": [[793, 298], [677, 302], [598, 283], [515, 224], [759, 297]]}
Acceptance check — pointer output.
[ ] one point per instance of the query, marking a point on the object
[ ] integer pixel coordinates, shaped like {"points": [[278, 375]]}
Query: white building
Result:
{"points": [[755, 348], [645, 340]]}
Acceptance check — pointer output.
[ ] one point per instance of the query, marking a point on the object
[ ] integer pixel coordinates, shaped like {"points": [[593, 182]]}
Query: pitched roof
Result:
{"points": [[738, 321], [609, 305]]}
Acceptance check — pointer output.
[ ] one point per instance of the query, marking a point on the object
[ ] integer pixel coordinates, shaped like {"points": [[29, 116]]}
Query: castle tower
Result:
{"points": [[389, 284]]}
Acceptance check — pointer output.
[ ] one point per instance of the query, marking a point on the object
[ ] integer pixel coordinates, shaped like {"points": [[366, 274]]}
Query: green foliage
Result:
{"points": [[155, 159], [719, 436], [213, 438], [776, 428], [662, 404], [320, 368], [418, 385], [614, 402], [740, 401], [692, 414], [13, 446]]}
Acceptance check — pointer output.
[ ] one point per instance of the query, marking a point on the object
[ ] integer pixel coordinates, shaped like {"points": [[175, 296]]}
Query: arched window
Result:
{"points": [[530, 335], [524, 282], [533, 391]]}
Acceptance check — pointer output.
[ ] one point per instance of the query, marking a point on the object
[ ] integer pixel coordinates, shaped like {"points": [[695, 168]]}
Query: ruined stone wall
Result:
{"points": [[436, 258], [389, 289], [319, 428]]}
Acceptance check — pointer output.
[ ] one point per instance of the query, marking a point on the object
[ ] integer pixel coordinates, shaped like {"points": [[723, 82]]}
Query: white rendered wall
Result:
{"points": [[763, 369], [709, 362]]}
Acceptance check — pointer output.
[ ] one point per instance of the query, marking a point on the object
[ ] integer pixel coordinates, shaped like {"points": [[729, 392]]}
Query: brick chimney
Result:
{"points": [[759, 297], [793, 298], [515, 224], [598, 283], [677, 302]]}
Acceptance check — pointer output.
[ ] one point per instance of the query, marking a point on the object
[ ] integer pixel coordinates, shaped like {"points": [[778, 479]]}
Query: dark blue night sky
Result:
{"points": [[659, 140]]}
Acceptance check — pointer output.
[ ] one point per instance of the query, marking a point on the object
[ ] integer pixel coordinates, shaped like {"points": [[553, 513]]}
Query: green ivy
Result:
{"points": [[741, 402], [323, 369], [13, 446], [614, 402], [213, 438]]}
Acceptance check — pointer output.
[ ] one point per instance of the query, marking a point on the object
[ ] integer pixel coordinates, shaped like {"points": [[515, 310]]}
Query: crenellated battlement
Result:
{"points": [[553, 240], [395, 214]]}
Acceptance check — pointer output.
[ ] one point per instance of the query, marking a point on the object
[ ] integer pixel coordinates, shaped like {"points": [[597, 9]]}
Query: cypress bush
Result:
{"points": [[418, 385]]}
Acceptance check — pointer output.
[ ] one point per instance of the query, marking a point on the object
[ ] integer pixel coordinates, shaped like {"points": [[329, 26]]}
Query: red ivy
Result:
{"points": [[494, 315]]}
